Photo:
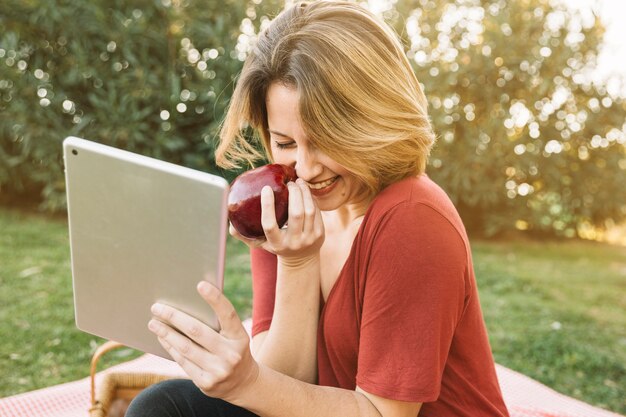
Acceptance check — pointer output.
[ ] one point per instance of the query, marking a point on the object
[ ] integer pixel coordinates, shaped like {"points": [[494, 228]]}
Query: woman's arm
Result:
{"points": [[276, 395], [290, 345], [221, 365]]}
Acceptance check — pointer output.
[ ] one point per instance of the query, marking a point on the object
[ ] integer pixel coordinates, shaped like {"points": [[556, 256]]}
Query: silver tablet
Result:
{"points": [[141, 231]]}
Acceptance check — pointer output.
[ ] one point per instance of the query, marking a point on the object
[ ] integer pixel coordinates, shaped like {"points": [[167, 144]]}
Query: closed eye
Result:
{"points": [[284, 145]]}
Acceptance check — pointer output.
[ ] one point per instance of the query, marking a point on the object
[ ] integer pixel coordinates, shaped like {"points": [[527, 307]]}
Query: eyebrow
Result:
{"points": [[279, 134]]}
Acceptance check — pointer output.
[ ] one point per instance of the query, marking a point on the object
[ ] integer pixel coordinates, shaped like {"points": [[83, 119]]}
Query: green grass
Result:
{"points": [[555, 311]]}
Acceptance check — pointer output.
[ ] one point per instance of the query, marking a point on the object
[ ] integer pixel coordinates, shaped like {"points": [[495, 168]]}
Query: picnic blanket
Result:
{"points": [[524, 396]]}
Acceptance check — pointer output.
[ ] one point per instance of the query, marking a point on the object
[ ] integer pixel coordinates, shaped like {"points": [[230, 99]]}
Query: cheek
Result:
{"points": [[282, 156], [352, 183], [338, 169]]}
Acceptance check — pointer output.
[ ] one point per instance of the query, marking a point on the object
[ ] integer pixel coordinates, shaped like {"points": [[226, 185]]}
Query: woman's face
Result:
{"points": [[331, 185]]}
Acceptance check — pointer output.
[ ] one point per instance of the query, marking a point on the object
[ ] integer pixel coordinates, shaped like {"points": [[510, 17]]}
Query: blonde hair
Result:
{"points": [[360, 102]]}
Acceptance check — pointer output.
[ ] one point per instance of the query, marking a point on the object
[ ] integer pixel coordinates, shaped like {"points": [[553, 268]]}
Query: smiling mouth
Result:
{"points": [[323, 184]]}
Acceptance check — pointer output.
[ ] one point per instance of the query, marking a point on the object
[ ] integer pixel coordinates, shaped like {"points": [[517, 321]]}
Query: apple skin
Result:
{"points": [[244, 199]]}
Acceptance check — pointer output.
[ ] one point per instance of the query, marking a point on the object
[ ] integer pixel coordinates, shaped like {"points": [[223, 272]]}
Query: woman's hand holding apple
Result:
{"points": [[302, 239], [266, 188]]}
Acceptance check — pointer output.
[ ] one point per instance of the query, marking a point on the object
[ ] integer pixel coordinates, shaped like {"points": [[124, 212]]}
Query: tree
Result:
{"points": [[149, 76], [526, 141]]}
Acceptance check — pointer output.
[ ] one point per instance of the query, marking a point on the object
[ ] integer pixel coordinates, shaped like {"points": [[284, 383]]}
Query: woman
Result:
{"points": [[366, 303]]}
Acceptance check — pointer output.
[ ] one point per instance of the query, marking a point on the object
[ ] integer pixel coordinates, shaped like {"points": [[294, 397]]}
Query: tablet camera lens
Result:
{"points": [[74, 151]]}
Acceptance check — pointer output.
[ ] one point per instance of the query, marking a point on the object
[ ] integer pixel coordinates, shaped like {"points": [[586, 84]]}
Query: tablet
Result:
{"points": [[141, 231]]}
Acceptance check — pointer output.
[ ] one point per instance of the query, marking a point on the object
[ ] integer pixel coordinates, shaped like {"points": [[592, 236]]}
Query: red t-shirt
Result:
{"points": [[403, 320]]}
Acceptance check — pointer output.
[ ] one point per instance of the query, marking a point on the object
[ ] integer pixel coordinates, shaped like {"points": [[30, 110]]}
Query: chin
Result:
{"points": [[328, 204], [327, 207]]}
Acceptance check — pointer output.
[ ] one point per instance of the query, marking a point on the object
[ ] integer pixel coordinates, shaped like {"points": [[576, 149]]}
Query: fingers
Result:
{"points": [[252, 243], [185, 348], [190, 367], [205, 369], [305, 229], [219, 364], [231, 325], [233, 232], [311, 213], [268, 215], [301, 209], [196, 330], [296, 209]]}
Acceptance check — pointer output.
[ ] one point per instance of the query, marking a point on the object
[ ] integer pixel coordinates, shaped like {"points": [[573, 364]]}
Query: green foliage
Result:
{"points": [[525, 141], [151, 77]]}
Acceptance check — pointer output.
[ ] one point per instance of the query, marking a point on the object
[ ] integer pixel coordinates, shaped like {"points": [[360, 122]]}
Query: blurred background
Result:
{"points": [[527, 100], [531, 132]]}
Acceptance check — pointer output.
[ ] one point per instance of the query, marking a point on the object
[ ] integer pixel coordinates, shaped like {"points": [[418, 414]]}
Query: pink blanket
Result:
{"points": [[524, 396]]}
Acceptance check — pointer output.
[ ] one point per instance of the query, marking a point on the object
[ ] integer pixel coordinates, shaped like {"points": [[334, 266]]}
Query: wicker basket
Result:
{"points": [[116, 389]]}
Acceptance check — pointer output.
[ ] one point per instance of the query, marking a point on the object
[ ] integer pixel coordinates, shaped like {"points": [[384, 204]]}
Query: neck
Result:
{"points": [[345, 216]]}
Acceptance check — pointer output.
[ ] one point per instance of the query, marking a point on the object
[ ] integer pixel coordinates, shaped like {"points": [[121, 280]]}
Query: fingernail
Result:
{"points": [[202, 286], [153, 325], [156, 309], [206, 288]]}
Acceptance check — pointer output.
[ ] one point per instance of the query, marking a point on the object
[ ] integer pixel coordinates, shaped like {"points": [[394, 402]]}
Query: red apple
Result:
{"points": [[244, 199]]}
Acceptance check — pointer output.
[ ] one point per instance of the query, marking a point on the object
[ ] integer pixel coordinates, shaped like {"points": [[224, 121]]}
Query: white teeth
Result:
{"points": [[323, 184]]}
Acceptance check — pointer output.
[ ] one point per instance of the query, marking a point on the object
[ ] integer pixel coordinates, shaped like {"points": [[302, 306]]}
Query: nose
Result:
{"points": [[307, 164]]}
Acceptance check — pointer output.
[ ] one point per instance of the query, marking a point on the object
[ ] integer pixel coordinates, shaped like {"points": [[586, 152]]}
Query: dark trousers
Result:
{"points": [[181, 398]]}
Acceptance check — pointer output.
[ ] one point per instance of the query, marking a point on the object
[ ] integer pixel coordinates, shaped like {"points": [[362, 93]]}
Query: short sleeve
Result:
{"points": [[414, 296], [263, 268]]}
